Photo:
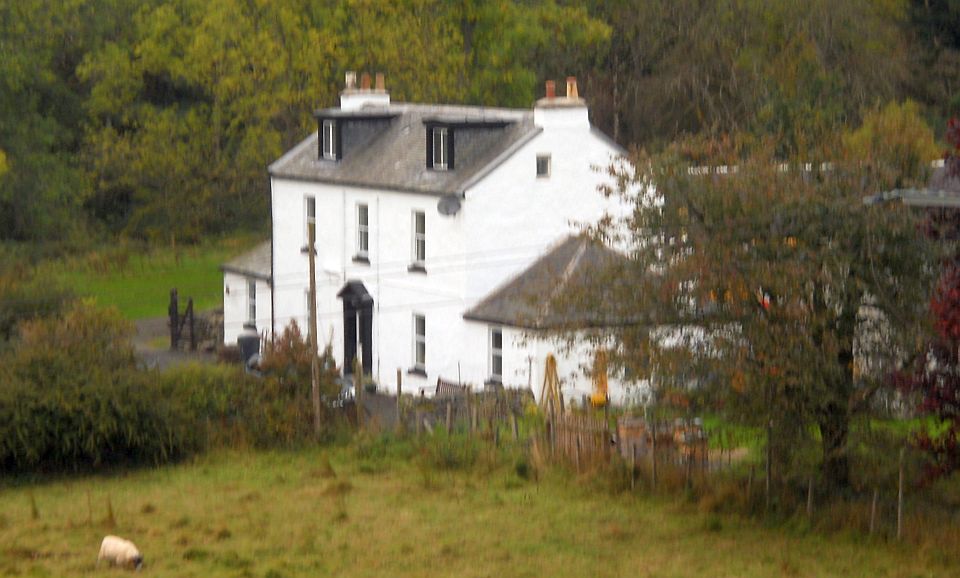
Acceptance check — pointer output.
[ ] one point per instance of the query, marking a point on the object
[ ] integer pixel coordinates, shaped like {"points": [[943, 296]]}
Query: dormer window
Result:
{"points": [[330, 140], [440, 148]]}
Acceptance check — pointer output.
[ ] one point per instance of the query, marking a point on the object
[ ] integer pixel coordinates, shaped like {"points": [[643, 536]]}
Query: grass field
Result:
{"points": [[138, 282], [275, 514]]}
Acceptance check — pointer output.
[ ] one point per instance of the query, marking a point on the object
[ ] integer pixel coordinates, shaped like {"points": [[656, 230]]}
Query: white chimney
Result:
{"points": [[568, 111], [353, 98]]}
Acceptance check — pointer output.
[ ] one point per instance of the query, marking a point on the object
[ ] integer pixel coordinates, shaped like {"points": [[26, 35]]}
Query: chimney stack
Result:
{"points": [[551, 89], [564, 112], [354, 98]]}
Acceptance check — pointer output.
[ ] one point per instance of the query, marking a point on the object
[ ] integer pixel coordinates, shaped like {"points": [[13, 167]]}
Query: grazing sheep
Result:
{"points": [[120, 552]]}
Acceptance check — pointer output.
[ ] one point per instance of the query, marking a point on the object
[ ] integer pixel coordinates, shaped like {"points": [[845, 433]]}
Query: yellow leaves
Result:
{"points": [[896, 139]]}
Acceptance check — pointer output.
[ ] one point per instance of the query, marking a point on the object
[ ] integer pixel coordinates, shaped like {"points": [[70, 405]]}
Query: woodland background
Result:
{"points": [[154, 120]]}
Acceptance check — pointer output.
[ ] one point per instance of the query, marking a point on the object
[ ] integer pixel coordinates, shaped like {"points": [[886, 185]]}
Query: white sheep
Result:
{"points": [[117, 551]]}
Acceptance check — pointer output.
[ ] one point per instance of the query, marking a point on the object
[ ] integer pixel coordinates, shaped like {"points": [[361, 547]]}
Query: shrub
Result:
{"points": [[71, 398], [232, 408]]}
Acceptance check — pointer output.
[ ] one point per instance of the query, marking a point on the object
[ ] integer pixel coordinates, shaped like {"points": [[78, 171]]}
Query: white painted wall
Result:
{"points": [[235, 313], [507, 220]]}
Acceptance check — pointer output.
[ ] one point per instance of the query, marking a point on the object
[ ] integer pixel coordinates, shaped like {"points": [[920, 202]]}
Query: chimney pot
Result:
{"points": [[572, 87], [380, 83], [351, 80], [365, 81], [551, 89]]}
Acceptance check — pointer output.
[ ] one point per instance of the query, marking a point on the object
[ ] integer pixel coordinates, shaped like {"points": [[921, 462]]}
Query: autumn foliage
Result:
{"points": [[936, 376]]}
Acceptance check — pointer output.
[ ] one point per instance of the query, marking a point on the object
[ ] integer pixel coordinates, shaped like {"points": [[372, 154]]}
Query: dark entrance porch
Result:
{"points": [[357, 326]]}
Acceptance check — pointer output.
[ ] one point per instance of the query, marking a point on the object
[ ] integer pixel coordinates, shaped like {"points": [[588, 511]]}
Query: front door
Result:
{"points": [[357, 326]]}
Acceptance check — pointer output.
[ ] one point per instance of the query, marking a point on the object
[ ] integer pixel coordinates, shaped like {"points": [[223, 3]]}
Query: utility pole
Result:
{"points": [[314, 352]]}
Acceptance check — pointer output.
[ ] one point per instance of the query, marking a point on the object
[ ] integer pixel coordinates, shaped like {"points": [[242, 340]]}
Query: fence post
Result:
{"points": [[416, 417], [653, 455], [513, 425], [358, 390], [449, 417], [900, 498], [577, 455], [769, 474], [810, 497], [633, 466], [873, 511], [174, 313], [193, 325], [399, 408]]}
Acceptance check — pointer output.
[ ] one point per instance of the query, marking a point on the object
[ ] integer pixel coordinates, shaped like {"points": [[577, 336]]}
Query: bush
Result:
{"points": [[71, 398], [235, 409]]}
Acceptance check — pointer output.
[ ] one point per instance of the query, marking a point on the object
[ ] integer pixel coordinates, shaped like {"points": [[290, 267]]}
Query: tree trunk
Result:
{"points": [[834, 429]]}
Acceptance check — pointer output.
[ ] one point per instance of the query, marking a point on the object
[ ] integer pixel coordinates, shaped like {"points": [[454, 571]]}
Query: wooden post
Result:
{"points": [[193, 325], [416, 417], [873, 511], [399, 407], [358, 386], [633, 466], [653, 454], [514, 426], [314, 347], [900, 498], [769, 474], [810, 497], [174, 313], [470, 413], [577, 456], [750, 483], [449, 417]]}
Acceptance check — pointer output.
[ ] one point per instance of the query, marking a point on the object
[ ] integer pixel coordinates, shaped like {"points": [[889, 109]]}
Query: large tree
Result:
{"points": [[768, 285]]}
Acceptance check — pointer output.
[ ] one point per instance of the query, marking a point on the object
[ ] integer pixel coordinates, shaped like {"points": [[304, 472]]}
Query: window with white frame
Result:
{"points": [[419, 249], [419, 342], [543, 166], [363, 230], [309, 219], [252, 300], [441, 153], [328, 150], [496, 354]]}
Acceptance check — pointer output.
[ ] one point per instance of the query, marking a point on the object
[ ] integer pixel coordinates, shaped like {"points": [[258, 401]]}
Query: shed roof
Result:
{"points": [[394, 158], [563, 288], [254, 263]]}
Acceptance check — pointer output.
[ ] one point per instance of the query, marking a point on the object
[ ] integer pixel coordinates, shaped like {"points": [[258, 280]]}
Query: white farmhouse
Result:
{"points": [[427, 219]]}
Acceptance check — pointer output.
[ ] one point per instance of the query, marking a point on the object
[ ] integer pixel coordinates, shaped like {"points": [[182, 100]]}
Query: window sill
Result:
{"points": [[305, 249], [493, 381], [418, 371], [417, 268], [361, 259]]}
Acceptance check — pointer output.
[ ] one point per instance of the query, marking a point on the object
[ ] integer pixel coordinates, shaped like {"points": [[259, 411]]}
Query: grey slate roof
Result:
{"points": [[385, 147], [254, 263], [563, 288]]}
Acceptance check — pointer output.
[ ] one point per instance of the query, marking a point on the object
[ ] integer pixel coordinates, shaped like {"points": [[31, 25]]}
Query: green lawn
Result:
{"points": [[274, 514], [138, 283]]}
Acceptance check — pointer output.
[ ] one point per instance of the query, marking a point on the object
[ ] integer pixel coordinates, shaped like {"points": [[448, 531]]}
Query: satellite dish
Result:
{"points": [[449, 205]]}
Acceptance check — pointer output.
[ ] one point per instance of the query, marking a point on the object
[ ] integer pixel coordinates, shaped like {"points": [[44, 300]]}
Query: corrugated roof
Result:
{"points": [[563, 288], [253, 263], [395, 157]]}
